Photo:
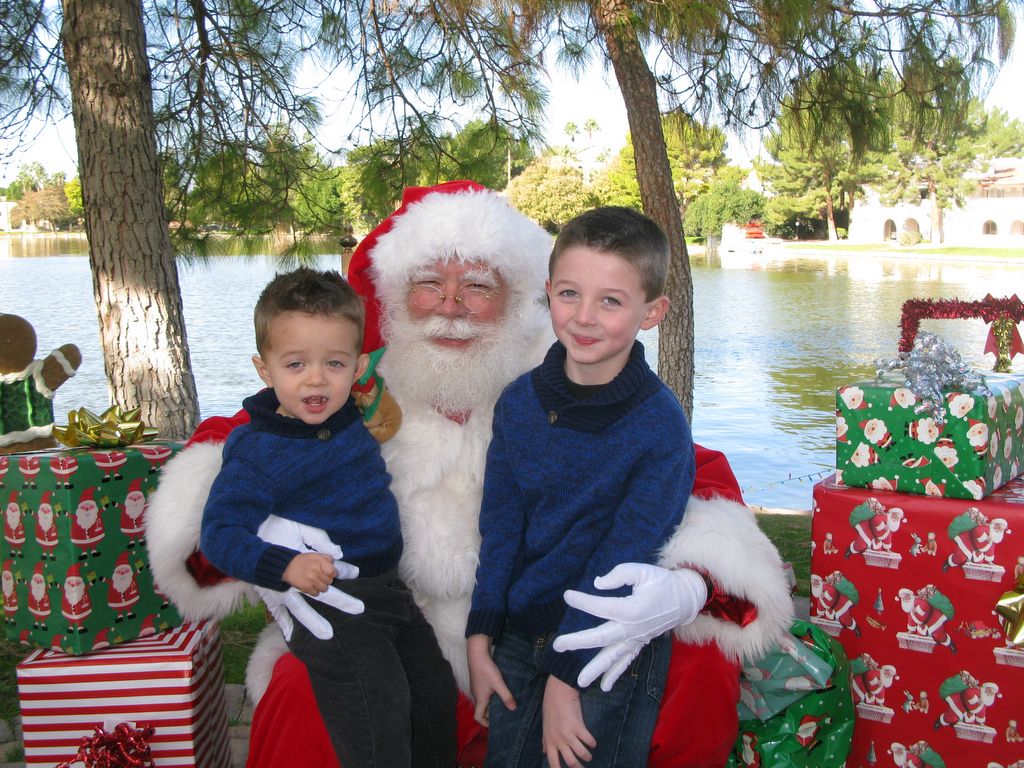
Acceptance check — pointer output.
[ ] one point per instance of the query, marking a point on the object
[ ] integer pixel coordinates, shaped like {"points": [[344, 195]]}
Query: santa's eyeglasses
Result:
{"points": [[473, 298]]}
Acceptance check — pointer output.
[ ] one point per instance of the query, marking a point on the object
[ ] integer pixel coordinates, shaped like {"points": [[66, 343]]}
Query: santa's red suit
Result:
{"points": [[123, 588], [14, 527], [75, 604], [133, 513], [869, 686], [38, 597], [436, 462], [47, 535], [10, 594], [87, 523]]}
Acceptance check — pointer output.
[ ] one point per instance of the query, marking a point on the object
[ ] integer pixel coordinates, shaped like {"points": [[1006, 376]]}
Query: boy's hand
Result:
{"points": [[566, 738], [310, 572], [485, 679]]}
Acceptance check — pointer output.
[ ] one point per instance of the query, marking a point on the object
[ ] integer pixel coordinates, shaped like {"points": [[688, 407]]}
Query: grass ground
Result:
{"points": [[790, 533]]}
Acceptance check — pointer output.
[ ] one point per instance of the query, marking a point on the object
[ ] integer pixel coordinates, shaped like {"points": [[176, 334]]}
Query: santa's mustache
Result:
{"points": [[450, 328]]}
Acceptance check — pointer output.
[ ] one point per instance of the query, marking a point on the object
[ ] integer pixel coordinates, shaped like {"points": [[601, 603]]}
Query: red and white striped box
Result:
{"points": [[172, 681]]}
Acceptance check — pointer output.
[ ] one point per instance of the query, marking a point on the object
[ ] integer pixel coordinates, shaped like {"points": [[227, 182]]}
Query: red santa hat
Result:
{"points": [[57, 642], [147, 628], [87, 495], [74, 570], [13, 498], [8, 565], [122, 559], [454, 221], [45, 498], [102, 639], [135, 485], [38, 570]]}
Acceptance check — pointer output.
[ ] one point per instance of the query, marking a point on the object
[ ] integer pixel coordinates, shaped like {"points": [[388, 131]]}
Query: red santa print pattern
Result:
{"points": [[29, 468], [10, 593], [918, 755], [869, 682], [5, 465], [63, 467], [975, 537], [39, 597], [122, 589], [110, 463], [87, 530], [927, 611], [834, 599], [156, 455], [14, 527], [75, 604], [133, 512], [47, 536], [967, 703], [874, 528]]}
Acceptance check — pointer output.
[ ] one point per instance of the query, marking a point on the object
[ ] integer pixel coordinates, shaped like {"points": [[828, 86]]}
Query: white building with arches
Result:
{"points": [[993, 214]]}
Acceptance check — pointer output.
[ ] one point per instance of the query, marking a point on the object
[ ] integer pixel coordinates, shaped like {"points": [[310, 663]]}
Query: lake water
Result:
{"points": [[775, 336]]}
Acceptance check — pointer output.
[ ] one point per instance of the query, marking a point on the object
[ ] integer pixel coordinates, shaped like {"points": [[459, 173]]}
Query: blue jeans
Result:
{"points": [[384, 690], [622, 720]]}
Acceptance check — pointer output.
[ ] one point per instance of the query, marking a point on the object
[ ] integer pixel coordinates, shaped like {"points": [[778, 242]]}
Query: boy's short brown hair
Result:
{"points": [[622, 232], [314, 292]]}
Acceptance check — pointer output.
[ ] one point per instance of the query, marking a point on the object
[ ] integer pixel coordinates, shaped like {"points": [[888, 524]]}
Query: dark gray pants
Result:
{"points": [[385, 692]]}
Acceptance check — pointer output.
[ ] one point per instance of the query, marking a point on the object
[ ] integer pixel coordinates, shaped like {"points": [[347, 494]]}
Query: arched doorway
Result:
{"points": [[1017, 228], [989, 228], [889, 230]]}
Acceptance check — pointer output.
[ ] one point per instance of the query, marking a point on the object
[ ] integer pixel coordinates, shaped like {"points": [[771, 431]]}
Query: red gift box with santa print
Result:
{"points": [[75, 570], [909, 585], [968, 447], [172, 682]]}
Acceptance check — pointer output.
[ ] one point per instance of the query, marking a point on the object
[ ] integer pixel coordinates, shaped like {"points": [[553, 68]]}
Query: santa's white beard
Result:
{"points": [[451, 380], [38, 586], [74, 590], [121, 578]]}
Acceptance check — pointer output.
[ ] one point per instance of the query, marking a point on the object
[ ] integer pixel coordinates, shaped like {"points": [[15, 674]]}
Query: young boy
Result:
{"points": [[386, 693], [591, 465]]}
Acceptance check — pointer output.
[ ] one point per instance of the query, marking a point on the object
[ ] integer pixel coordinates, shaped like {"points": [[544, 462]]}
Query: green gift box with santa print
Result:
{"points": [[968, 447], [75, 571]]}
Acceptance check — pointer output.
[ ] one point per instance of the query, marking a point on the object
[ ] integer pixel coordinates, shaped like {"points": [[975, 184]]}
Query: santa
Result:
{"points": [[28, 465], [133, 523], [111, 463], [834, 599], [87, 525], [975, 537], [63, 466], [967, 700], [433, 397], [874, 527], [14, 527], [38, 597], [75, 604], [9, 591], [47, 536], [927, 611], [122, 589]]}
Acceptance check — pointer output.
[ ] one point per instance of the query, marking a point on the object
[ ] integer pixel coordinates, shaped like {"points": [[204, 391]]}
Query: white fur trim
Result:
{"points": [[722, 538], [173, 521], [270, 646], [469, 226]]}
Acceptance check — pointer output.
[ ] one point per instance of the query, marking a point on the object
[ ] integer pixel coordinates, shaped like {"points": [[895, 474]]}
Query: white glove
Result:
{"points": [[284, 605], [661, 600]]}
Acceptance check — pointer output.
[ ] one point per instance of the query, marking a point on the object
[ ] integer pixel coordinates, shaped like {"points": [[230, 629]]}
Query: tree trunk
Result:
{"points": [[938, 236], [135, 279], [654, 174], [830, 216]]}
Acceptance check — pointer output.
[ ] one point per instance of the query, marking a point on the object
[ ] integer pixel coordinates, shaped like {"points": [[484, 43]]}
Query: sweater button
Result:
{"points": [[552, 417], [323, 434]]}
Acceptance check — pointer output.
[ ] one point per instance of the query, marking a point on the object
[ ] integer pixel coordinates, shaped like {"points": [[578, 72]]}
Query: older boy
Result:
{"points": [[591, 465], [306, 456]]}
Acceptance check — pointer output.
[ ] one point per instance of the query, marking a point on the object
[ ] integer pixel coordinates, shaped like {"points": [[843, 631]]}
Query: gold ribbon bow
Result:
{"points": [[1010, 609], [114, 427]]}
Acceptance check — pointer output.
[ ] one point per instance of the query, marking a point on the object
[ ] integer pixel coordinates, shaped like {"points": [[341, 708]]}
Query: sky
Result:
{"points": [[594, 96]]}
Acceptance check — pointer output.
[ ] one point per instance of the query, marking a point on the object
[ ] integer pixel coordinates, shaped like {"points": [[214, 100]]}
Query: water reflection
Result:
{"points": [[773, 341]]}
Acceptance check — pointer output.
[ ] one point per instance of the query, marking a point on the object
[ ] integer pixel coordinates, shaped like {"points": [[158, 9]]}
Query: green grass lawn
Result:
{"points": [[790, 533]]}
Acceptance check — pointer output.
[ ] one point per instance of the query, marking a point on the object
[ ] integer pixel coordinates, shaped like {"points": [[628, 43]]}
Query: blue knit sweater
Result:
{"points": [[573, 488], [328, 476]]}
